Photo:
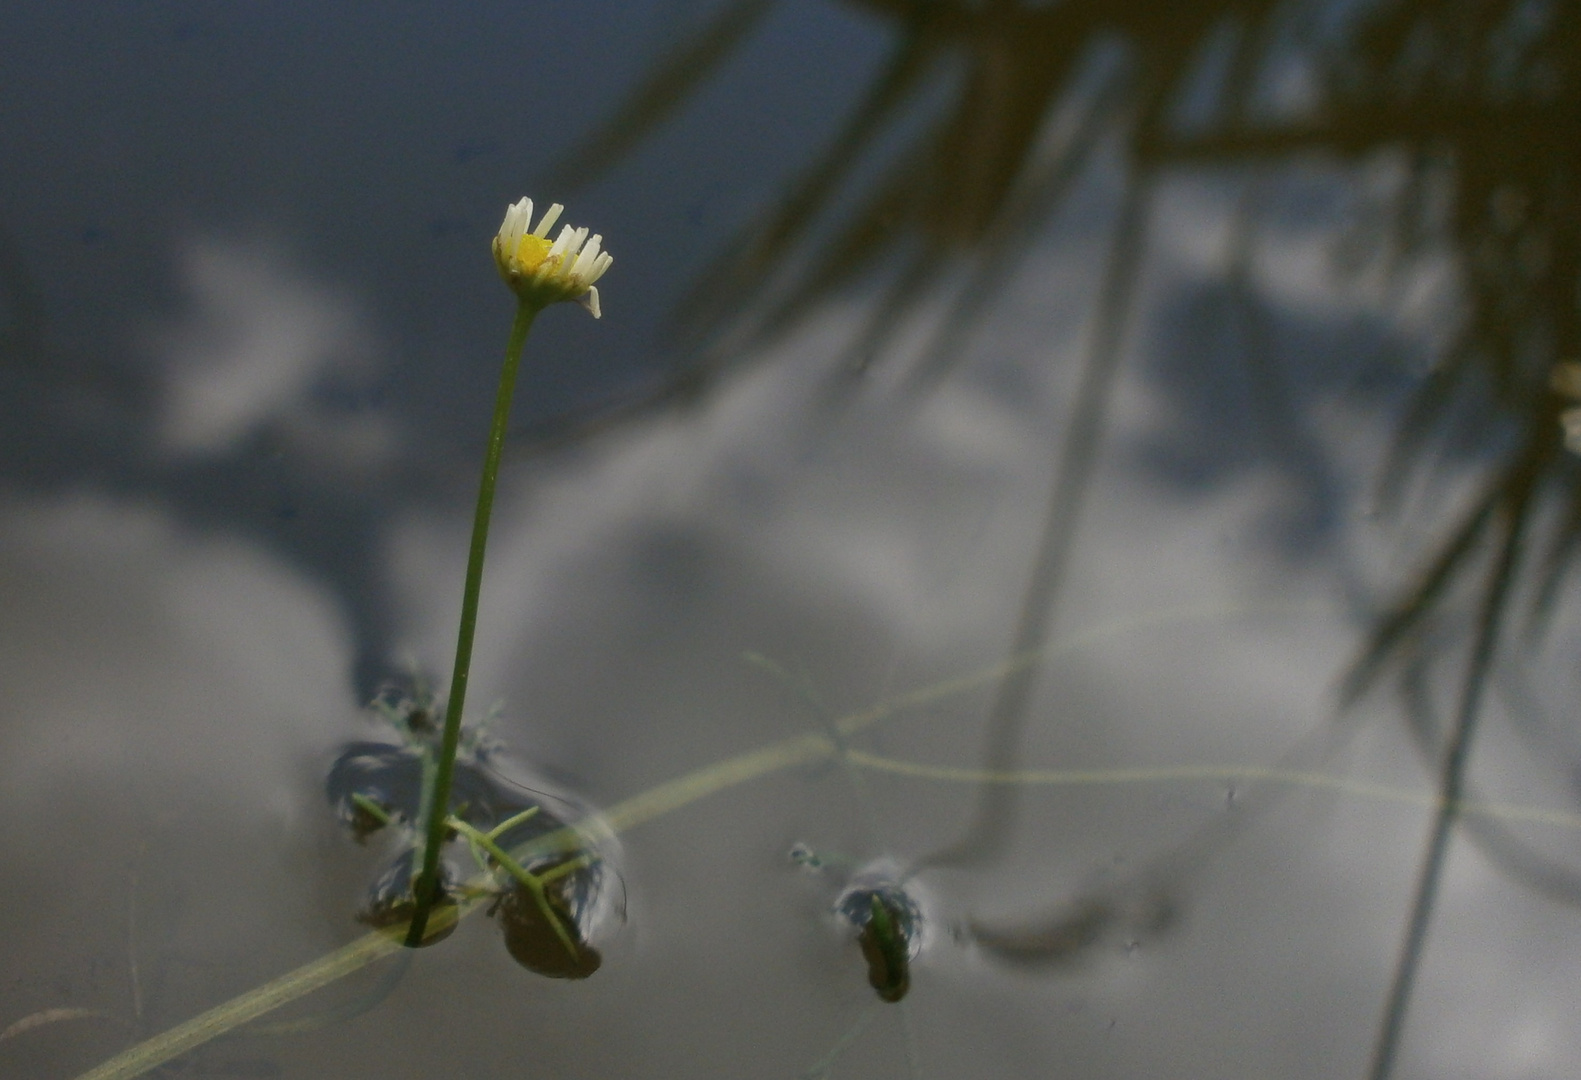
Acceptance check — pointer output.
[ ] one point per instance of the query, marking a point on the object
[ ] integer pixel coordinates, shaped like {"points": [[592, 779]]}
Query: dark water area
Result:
{"points": [[1055, 559]]}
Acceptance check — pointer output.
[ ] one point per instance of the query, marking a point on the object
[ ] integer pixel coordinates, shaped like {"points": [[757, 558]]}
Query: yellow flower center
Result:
{"points": [[529, 254]]}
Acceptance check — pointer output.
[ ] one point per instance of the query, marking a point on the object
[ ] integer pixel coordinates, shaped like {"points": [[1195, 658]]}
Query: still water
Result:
{"points": [[1057, 495]]}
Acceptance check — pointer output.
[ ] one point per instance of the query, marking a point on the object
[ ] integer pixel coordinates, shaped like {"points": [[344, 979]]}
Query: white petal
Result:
{"points": [[568, 259], [550, 216], [584, 262], [589, 300], [511, 229], [560, 242]]}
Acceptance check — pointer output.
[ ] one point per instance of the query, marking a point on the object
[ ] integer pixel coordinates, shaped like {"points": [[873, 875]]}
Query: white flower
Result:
{"points": [[542, 273]]}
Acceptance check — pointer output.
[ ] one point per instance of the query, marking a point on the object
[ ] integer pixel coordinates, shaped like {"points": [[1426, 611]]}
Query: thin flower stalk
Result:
{"points": [[540, 273]]}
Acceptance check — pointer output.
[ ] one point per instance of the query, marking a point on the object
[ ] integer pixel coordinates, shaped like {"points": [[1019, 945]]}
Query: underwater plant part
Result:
{"points": [[391, 899], [365, 816], [886, 950], [543, 930], [889, 922], [544, 867]]}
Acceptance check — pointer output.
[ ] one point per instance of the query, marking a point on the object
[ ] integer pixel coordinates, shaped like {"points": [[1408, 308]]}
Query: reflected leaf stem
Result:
{"points": [[987, 834], [1452, 784]]}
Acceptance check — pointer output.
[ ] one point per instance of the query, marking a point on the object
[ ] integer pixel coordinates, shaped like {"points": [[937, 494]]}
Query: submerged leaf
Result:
{"points": [[889, 927], [391, 900], [556, 949], [886, 949]]}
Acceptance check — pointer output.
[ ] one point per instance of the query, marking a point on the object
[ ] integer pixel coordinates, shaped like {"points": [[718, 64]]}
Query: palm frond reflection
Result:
{"points": [[1454, 123]]}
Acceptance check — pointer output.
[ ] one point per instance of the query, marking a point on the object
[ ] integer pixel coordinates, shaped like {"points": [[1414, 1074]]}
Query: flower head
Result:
{"points": [[542, 273]]}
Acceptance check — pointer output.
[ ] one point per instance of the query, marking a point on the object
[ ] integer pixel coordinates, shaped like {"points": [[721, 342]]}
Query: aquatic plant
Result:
{"points": [[540, 273], [888, 919], [549, 901]]}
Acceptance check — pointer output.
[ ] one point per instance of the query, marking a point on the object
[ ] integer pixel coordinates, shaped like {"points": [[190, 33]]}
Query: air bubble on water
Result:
{"points": [[883, 876], [805, 857]]}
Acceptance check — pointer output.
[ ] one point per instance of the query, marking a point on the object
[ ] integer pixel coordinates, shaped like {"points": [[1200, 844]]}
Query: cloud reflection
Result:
{"points": [[873, 549], [262, 345], [141, 655]]}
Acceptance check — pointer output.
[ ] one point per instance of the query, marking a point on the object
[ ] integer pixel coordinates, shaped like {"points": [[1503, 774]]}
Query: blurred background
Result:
{"points": [[1153, 403]]}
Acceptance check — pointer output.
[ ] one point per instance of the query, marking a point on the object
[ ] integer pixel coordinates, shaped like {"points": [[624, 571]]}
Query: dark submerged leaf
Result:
{"points": [[886, 950], [889, 926], [391, 901], [535, 943]]}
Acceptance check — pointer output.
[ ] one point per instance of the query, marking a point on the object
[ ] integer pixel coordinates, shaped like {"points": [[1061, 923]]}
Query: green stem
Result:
{"points": [[499, 854], [426, 887], [526, 879], [368, 806], [511, 822], [495, 833]]}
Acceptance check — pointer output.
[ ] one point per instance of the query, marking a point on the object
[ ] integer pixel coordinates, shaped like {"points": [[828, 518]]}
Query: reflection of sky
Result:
{"points": [[383, 147], [371, 153], [179, 657]]}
